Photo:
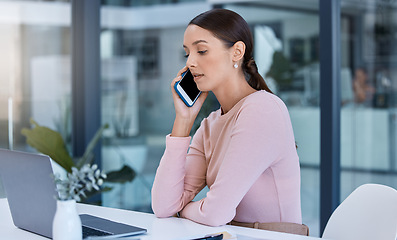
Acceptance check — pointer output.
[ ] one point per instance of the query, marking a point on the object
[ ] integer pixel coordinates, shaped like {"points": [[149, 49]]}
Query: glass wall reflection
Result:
{"points": [[35, 70], [369, 78], [141, 52]]}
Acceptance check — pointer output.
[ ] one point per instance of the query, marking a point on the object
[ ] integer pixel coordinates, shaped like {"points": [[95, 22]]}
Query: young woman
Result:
{"points": [[244, 152]]}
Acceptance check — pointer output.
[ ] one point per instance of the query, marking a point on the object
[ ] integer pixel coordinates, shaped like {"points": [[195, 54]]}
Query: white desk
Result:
{"points": [[158, 229]]}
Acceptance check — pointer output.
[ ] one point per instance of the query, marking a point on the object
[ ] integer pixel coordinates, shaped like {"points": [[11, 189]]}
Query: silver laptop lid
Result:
{"points": [[32, 209]]}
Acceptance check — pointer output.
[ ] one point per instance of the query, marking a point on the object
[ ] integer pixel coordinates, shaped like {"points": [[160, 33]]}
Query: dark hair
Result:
{"points": [[230, 27]]}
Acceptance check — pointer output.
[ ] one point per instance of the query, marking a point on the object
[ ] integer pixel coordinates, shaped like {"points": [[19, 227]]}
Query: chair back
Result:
{"points": [[368, 213]]}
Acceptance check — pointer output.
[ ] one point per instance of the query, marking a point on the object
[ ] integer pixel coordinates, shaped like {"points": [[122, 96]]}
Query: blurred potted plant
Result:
{"points": [[67, 223], [51, 143]]}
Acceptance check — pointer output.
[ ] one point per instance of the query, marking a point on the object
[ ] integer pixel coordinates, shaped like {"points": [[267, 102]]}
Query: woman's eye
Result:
{"points": [[199, 52]]}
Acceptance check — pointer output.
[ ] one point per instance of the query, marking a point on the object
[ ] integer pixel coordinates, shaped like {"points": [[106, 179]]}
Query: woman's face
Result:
{"points": [[208, 58]]}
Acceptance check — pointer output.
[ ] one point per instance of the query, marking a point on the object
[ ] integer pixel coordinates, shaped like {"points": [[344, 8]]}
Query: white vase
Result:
{"points": [[67, 223]]}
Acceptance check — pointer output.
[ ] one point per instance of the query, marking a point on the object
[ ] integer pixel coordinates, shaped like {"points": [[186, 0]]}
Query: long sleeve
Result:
{"points": [[246, 157], [256, 138], [172, 187]]}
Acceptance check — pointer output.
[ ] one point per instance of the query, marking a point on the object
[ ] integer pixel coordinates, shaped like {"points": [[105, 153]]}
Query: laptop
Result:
{"points": [[30, 190]]}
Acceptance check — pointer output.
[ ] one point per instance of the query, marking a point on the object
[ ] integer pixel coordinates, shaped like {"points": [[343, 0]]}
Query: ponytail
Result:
{"points": [[255, 80]]}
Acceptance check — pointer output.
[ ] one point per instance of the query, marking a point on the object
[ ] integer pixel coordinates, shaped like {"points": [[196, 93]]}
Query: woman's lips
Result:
{"points": [[197, 76]]}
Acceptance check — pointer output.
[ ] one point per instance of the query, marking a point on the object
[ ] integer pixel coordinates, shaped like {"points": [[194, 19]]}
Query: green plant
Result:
{"points": [[281, 70], [51, 143]]}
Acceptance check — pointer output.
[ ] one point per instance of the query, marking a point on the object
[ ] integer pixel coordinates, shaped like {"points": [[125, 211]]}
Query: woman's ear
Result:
{"points": [[238, 51]]}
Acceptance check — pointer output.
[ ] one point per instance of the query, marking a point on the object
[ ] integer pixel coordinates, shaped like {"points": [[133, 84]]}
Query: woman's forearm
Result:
{"points": [[182, 127]]}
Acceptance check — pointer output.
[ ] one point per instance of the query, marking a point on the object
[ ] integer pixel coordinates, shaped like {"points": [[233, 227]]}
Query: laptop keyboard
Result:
{"points": [[87, 232]]}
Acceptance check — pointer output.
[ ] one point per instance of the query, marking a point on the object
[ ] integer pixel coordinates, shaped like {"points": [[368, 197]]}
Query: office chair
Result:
{"points": [[285, 227], [368, 213]]}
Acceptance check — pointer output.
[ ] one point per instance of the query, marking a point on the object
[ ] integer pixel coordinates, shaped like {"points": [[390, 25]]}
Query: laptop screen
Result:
{"points": [[30, 190]]}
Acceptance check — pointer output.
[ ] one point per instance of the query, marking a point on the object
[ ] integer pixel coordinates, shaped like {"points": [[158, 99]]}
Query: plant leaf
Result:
{"points": [[48, 142], [87, 156], [125, 174]]}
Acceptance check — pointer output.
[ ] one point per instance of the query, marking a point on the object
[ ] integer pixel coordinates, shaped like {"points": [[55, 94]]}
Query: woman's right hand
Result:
{"points": [[184, 115]]}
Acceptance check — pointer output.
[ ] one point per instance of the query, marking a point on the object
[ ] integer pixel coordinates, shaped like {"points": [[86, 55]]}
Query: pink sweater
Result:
{"points": [[246, 157]]}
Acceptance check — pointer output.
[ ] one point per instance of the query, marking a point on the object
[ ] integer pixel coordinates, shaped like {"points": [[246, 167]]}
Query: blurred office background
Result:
{"points": [[141, 52]]}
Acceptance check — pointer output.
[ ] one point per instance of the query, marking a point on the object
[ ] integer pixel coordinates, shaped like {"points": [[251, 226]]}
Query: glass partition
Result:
{"points": [[141, 52], [35, 74], [369, 81]]}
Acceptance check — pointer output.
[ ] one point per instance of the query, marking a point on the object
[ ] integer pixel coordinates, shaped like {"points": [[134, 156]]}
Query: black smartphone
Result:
{"points": [[187, 89], [211, 237]]}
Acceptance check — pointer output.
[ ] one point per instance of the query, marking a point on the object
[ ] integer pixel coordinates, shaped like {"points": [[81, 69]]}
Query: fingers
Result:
{"points": [[184, 69], [178, 76], [174, 81]]}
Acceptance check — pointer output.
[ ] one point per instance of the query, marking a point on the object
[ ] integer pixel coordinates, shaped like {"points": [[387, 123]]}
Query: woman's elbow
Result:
{"points": [[162, 212], [215, 223]]}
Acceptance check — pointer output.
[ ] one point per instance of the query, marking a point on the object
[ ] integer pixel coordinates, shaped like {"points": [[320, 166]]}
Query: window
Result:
{"points": [[142, 51], [35, 74], [369, 90]]}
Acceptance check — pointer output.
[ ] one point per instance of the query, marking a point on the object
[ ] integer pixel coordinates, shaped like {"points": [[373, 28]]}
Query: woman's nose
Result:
{"points": [[190, 62]]}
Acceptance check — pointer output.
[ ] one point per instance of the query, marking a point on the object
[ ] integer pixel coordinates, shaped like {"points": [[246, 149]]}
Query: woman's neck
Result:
{"points": [[230, 95]]}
